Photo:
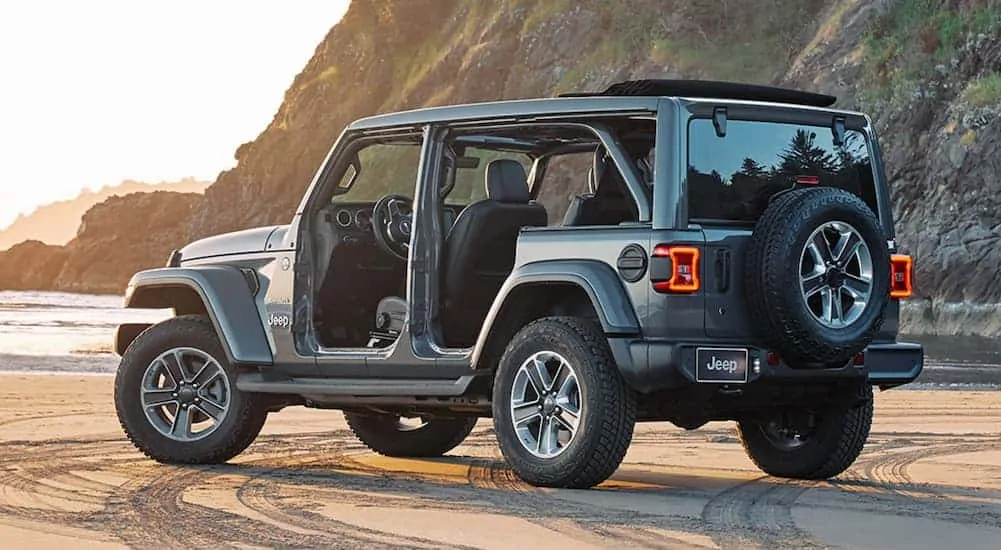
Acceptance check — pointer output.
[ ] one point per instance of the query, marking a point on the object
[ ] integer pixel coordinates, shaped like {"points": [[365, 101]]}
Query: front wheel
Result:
{"points": [[176, 395], [809, 445], [564, 417]]}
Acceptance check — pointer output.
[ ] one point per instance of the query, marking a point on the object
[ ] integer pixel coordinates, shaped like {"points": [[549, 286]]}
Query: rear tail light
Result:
{"points": [[900, 276], [682, 273]]}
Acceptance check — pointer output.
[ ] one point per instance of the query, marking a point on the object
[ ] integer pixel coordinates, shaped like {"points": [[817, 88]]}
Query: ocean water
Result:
{"points": [[74, 333], [61, 332]]}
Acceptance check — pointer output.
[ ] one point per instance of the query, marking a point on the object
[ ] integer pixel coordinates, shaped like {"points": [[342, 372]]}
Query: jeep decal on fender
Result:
{"points": [[279, 320]]}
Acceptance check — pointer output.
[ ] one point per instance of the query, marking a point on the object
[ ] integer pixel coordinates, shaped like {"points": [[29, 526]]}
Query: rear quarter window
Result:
{"points": [[732, 178]]}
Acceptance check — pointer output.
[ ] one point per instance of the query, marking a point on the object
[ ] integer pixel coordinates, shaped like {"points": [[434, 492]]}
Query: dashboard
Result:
{"points": [[356, 218]]}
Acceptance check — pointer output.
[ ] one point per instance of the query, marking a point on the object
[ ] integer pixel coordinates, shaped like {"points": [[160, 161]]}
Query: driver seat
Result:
{"points": [[479, 251]]}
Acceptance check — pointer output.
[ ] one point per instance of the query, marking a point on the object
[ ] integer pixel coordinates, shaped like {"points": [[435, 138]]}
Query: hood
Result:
{"points": [[237, 242]]}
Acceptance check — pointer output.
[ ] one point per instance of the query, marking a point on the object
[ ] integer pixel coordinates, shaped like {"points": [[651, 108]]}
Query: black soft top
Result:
{"points": [[711, 89]]}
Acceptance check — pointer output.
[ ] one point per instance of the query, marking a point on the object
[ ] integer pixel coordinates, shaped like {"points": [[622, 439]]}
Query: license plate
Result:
{"points": [[721, 365]]}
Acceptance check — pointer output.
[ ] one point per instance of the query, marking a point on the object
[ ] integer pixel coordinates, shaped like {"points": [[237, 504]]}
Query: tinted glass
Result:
{"points": [[732, 178]]}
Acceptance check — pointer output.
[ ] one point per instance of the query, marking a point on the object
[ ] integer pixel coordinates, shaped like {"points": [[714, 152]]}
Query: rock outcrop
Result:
{"points": [[31, 265], [123, 235], [116, 238], [57, 222]]}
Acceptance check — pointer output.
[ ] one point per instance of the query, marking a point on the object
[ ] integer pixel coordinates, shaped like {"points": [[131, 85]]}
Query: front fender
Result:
{"points": [[226, 297], [598, 280]]}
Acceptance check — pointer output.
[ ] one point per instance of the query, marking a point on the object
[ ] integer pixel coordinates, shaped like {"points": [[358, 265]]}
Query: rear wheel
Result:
{"points": [[393, 435], [564, 417], [176, 395], [808, 444]]}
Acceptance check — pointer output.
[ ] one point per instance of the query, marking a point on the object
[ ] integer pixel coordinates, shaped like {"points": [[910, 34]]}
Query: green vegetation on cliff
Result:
{"points": [[984, 91], [920, 40]]}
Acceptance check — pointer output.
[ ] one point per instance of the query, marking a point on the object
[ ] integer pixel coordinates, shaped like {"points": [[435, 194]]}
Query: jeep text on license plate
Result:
{"points": [[722, 365]]}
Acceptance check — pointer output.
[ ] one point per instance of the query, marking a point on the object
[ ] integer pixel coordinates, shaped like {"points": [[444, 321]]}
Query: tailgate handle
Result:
{"points": [[722, 269]]}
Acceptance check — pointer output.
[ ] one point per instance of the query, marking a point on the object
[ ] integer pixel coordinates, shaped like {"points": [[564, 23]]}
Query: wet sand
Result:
{"points": [[929, 478]]}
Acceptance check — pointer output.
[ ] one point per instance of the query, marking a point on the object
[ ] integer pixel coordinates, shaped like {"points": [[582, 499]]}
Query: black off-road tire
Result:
{"points": [[834, 446], [776, 304], [382, 433], [608, 405], [243, 421]]}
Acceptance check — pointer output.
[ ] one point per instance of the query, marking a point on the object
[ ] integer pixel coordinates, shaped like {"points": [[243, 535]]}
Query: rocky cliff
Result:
{"points": [[927, 70], [57, 223], [116, 238], [123, 235]]}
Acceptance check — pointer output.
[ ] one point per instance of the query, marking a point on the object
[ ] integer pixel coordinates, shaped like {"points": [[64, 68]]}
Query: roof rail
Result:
{"points": [[711, 89]]}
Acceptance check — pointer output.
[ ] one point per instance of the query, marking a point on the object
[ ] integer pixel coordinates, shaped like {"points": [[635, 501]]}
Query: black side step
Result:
{"points": [[256, 382]]}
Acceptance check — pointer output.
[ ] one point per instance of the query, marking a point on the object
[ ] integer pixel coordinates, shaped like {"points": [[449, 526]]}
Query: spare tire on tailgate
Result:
{"points": [[818, 275]]}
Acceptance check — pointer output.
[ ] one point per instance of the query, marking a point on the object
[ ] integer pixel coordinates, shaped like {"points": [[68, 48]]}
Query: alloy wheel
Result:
{"points": [[185, 394], [546, 404], [836, 274]]}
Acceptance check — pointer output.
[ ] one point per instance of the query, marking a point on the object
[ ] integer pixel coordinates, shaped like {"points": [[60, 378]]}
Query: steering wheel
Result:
{"points": [[392, 222]]}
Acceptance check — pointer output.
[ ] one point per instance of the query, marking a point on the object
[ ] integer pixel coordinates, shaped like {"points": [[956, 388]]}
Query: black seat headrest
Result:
{"points": [[506, 181], [608, 181]]}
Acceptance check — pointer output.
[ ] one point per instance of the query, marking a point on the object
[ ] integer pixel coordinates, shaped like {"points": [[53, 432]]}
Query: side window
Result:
{"points": [[469, 169], [379, 169], [732, 178]]}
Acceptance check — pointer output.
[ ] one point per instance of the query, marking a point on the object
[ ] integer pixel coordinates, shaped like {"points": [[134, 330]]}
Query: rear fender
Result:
{"points": [[611, 303], [221, 292]]}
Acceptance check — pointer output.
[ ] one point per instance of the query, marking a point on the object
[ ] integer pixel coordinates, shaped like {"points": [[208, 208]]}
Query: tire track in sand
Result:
{"points": [[759, 512], [881, 483]]}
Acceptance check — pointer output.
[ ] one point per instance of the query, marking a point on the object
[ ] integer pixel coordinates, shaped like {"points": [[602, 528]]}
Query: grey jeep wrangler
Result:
{"points": [[729, 255]]}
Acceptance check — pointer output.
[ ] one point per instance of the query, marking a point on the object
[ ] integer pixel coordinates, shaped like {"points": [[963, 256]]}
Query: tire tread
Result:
{"points": [[614, 400], [435, 439], [252, 414], [769, 282], [816, 462]]}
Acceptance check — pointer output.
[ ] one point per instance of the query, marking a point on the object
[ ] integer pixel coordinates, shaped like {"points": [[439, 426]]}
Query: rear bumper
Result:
{"points": [[894, 364], [651, 365]]}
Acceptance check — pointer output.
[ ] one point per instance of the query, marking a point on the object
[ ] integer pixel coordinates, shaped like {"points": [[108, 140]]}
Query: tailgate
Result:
{"points": [[726, 315]]}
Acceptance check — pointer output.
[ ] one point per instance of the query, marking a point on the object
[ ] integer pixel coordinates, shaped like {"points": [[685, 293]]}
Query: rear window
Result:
{"points": [[731, 178]]}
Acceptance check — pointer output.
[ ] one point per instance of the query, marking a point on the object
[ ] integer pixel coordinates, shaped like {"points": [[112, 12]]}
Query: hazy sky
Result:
{"points": [[95, 92]]}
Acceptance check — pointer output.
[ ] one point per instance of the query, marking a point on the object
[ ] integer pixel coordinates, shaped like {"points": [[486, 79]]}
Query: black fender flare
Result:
{"points": [[599, 281], [226, 297]]}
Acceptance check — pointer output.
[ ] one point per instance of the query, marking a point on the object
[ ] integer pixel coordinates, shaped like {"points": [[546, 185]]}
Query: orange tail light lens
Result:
{"points": [[900, 276], [684, 269]]}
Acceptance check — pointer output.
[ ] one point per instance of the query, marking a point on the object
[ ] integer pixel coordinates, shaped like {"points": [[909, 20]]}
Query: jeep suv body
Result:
{"points": [[731, 257]]}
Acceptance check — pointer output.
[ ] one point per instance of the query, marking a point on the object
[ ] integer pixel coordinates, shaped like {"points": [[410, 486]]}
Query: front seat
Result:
{"points": [[480, 248], [576, 203], [610, 203]]}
